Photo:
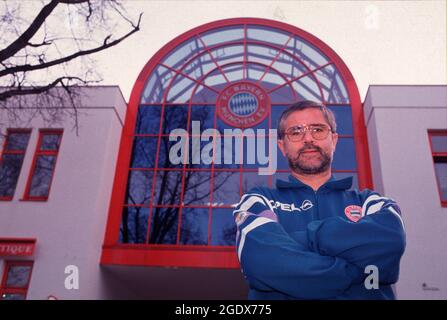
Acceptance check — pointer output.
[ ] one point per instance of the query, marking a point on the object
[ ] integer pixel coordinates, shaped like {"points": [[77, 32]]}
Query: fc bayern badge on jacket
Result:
{"points": [[354, 213]]}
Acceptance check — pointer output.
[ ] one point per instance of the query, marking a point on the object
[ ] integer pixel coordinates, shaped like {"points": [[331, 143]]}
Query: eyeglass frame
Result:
{"points": [[308, 127]]}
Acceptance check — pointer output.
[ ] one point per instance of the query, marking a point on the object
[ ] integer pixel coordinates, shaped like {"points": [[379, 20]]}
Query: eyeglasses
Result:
{"points": [[317, 131]]}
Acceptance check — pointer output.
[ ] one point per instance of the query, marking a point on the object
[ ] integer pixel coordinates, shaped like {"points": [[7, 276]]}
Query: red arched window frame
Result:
{"points": [[209, 256]]}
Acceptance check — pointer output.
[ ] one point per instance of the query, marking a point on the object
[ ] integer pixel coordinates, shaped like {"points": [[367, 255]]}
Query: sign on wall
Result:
{"points": [[17, 247]]}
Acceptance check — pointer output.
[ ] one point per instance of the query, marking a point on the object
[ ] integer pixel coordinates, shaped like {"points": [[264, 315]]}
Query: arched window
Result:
{"points": [[236, 73]]}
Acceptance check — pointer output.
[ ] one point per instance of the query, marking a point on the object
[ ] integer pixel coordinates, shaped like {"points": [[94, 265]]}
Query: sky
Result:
{"points": [[381, 42]]}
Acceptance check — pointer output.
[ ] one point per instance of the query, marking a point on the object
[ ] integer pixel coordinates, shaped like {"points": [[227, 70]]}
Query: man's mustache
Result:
{"points": [[310, 147]]}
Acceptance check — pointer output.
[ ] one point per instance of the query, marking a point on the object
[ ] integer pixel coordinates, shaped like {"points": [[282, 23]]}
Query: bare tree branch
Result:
{"points": [[44, 56], [20, 91], [26, 36], [104, 46]]}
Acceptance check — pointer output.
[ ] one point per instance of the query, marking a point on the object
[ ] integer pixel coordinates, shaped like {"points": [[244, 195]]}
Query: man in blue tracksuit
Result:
{"points": [[311, 237]]}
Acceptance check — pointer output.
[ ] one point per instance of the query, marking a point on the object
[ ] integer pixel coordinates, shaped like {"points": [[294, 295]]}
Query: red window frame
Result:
{"points": [[4, 289], [438, 157], [4, 151], [38, 152]]}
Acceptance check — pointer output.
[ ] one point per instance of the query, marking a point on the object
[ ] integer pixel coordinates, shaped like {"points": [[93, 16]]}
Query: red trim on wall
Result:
{"points": [[170, 255], [114, 253]]}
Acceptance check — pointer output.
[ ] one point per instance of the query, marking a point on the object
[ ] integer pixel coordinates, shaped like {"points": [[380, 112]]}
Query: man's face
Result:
{"points": [[309, 155]]}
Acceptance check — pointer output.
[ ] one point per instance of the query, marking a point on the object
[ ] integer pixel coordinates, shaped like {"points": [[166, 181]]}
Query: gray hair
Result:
{"points": [[302, 105]]}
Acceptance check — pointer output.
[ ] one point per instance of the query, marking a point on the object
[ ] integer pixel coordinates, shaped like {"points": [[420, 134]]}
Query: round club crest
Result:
{"points": [[243, 104], [353, 213]]}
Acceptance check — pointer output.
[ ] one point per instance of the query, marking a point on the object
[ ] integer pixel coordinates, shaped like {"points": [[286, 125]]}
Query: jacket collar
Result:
{"points": [[332, 183]]}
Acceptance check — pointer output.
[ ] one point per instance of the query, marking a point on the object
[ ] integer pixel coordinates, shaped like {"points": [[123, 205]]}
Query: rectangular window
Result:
{"points": [[42, 170], [16, 278], [11, 161], [438, 144]]}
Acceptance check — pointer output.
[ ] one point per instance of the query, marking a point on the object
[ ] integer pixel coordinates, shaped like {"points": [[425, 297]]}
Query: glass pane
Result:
{"points": [[197, 188], [43, 172], [230, 153], [441, 174], [200, 66], [344, 157], [50, 142], [175, 117], [262, 55], [439, 143], [203, 114], [282, 163], [148, 120], [156, 85], [342, 175], [194, 229], [183, 53], [164, 226], [257, 152], [174, 160], [290, 65], [343, 117], [253, 179], [10, 166], [309, 55], [226, 188], [233, 72], [341, 91], [181, 90], [17, 141], [134, 222], [204, 95], [222, 35], [276, 113], [223, 228], [266, 34], [228, 54], [139, 187], [216, 80], [168, 188], [18, 276], [284, 95], [144, 152], [12, 296], [333, 88], [280, 176], [307, 89]]}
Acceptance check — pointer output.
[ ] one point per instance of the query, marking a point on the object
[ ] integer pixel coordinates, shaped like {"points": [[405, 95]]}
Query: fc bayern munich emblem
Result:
{"points": [[243, 105], [354, 213]]}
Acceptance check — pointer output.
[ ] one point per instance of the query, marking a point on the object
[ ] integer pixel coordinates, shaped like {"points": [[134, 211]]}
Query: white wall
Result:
{"points": [[398, 118], [70, 226]]}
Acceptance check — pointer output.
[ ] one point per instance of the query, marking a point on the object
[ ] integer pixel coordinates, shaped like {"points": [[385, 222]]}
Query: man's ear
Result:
{"points": [[281, 147], [334, 140]]}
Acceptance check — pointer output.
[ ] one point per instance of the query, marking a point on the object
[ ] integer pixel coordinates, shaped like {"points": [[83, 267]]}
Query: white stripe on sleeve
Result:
{"points": [[398, 215], [369, 199], [254, 224]]}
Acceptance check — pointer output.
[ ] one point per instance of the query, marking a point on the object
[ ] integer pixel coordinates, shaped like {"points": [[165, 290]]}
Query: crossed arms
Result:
{"points": [[324, 260]]}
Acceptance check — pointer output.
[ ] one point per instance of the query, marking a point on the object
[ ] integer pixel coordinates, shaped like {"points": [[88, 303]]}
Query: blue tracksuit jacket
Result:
{"points": [[297, 243]]}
